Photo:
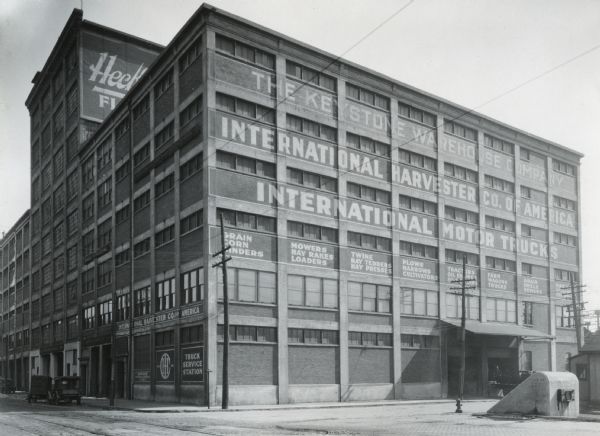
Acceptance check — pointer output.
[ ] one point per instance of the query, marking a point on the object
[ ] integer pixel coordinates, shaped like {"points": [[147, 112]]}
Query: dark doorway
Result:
{"points": [[94, 371], [83, 387], [106, 370], [59, 363], [472, 386], [120, 379]]}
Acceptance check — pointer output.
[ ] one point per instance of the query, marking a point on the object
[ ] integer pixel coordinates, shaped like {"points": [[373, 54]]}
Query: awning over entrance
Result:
{"points": [[499, 329]]}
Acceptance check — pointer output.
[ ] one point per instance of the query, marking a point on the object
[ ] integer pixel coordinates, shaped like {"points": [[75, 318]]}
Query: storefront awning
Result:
{"points": [[499, 329]]}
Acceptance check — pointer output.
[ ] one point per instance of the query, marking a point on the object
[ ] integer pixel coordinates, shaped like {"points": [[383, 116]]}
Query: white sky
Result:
{"points": [[467, 51]]}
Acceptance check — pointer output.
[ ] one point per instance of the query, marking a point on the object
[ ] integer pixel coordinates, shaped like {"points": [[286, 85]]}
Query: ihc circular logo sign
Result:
{"points": [[165, 366]]}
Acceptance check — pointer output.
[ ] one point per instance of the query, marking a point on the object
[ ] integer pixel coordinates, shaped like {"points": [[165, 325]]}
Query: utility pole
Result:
{"points": [[463, 321], [223, 262], [576, 302]]}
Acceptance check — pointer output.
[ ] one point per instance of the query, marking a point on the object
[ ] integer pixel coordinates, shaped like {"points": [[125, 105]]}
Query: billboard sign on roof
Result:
{"points": [[109, 69]]}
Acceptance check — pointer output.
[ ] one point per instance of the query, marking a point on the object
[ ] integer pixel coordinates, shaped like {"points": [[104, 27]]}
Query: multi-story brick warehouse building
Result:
{"points": [[350, 200]]}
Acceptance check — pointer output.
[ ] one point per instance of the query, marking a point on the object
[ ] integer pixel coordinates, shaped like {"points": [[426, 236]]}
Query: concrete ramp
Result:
{"points": [[543, 393]]}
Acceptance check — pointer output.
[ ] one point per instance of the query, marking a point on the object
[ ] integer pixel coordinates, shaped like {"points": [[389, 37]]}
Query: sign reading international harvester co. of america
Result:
{"points": [[110, 68]]}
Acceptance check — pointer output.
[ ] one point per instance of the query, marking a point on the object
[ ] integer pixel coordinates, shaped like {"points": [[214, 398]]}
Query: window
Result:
{"points": [[105, 313], [418, 205], [122, 128], [164, 339], [533, 194], [245, 108], [190, 222], [498, 184], [308, 75], [190, 55], [105, 193], [73, 222], [563, 238], [419, 302], [565, 276], [418, 250], [418, 115], [245, 52], [493, 222], [564, 203], [164, 236], [311, 180], [141, 201], [308, 336], [368, 145], [165, 294], [245, 164], [72, 258], [311, 128], [89, 318], [141, 301], [59, 162], [164, 137], [142, 155], [105, 273], [565, 317], [500, 264], [370, 242], [369, 97], [462, 215], [498, 144], [527, 314], [190, 167], [312, 291], [122, 214], [104, 235], [123, 307], [164, 185], [460, 130], [248, 221], [311, 231], [59, 198], [192, 286], [59, 234], [163, 84], [242, 333], [87, 173], [104, 154], [501, 310], [141, 247], [249, 285], [454, 306], [364, 339], [533, 157], [122, 257], [72, 99], [367, 193], [87, 243], [72, 185], [563, 167], [46, 177], [368, 297], [59, 267], [191, 334], [534, 232], [419, 341], [59, 120], [461, 173], [191, 112], [417, 160], [141, 108]]}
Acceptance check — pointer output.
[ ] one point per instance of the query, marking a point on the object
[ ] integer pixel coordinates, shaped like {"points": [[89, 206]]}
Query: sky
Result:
{"points": [[532, 64]]}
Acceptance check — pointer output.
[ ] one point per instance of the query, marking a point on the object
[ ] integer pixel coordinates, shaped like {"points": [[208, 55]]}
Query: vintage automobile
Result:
{"points": [[65, 389], [6, 386], [40, 388]]}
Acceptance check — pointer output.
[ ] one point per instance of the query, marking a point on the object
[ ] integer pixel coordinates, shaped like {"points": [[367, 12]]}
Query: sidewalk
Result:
{"points": [[159, 407]]}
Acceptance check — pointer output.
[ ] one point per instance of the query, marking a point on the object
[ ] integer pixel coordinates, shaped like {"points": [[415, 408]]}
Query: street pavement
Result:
{"points": [[19, 418]]}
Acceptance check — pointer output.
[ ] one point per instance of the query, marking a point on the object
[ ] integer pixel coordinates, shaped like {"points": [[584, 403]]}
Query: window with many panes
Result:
{"points": [[500, 264], [163, 84], [419, 302], [310, 231], [123, 307], [417, 160], [164, 236], [164, 136], [454, 306], [104, 273], [164, 185], [563, 167], [368, 145], [243, 220], [245, 164], [418, 250], [192, 286], [368, 339], [141, 301], [417, 205], [527, 313], [366, 96], [534, 232], [459, 172], [309, 75], [501, 310], [310, 336], [369, 297], [311, 128], [190, 167], [190, 222], [242, 333], [496, 223], [498, 144], [191, 112], [89, 317], [105, 313], [368, 241], [368, 193], [165, 294], [564, 239], [498, 184], [312, 291], [462, 215], [460, 130], [564, 203], [244, 52], [565, 316], [415, 114], [249, 285], [245, 108], [190, 55]]}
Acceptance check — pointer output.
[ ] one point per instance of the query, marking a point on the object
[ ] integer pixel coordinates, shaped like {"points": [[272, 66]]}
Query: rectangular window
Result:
{"points": [[493, 222], [498, 184], [245, 165], [454, 306], [249, 285], [419, 302], [141, 248], [248, 221], [141, 301], [164, 185], [142, 155], [311, 128], [563, 167], [105, 235], [190, 55], [364, 339], [72, 185], [418, 115], [564, 203], [460, 130], [308, 75], [418, 250], [245, 52], [370, 242], [165, 294], [245, 108], [309, 336], [500, 264], [311, 180], [565, 317], [123, 307], [499, 144], [312, 291], [105, 193], [190, 167], [122, 257], [190, 222], [164, 84], [141, 108], [191, 334], [459, 172], [164, 137], [462, 215], [122, 214], [367, 193], [417, 160], [191, 112], [311, 231], [419, 341], [122, 128], [141, 201], [501, 310], [367, 145], [164, 236], [89, 317], [105, 273], [105, 313], [418, 205], [527, 314], [455, 256], [369, 97], [564, 275], [192, 286], [534, 232], [564, 239], [104, 154], [369, 297]]}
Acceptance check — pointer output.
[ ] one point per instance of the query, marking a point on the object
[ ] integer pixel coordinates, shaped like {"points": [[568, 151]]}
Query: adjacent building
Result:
{"points": [[349, 201]]}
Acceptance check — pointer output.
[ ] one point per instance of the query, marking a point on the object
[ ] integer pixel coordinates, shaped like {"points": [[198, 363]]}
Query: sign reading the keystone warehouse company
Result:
{"points": [[110, 68]]}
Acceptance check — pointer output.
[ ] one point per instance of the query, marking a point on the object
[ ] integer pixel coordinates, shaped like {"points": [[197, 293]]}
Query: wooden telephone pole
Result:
{"points": [[223, 262], [577, 304], [463, 321]]}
